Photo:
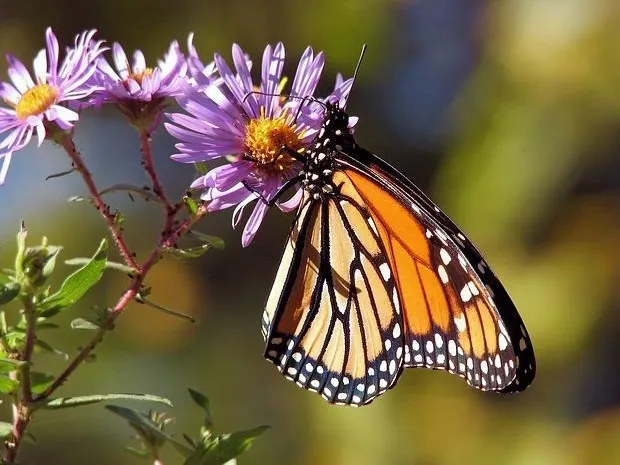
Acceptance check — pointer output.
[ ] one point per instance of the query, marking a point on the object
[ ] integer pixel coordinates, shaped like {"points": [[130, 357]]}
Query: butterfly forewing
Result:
{"points": [[453, 317]]}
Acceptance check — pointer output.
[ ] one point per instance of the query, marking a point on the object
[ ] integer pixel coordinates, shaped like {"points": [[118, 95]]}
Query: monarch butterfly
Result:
{"points": [[375, 278]]}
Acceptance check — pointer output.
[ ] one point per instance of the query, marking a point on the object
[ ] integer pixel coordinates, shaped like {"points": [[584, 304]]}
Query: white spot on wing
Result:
{"points": [[396, 331], [452, 347], [503, 342], [466, 294], [443, 274], [373, 226], [385, 271], [445, 256], [460, 322], [472, 287]]}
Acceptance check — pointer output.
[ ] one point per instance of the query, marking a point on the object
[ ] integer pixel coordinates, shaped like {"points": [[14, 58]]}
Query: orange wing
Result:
{"points": [[332, 321], [450, 318], [370, 283]]}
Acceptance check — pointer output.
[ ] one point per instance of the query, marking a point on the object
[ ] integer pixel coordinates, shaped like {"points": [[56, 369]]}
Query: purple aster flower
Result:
{"points": [[250, 128], [201, 75], [42, 106], [140, 91]]}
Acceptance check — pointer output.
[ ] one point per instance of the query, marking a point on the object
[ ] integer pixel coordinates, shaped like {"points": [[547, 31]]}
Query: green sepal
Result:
{"points": [[38, 263], [76, 284], [225, 447]]}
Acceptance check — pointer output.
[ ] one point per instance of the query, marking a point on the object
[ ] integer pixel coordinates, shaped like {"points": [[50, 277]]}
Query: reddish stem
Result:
{"points": [[149, 166], [110, 218]]}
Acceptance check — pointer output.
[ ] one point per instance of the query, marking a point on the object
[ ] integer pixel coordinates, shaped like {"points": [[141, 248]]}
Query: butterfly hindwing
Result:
{"points": [[330, 320]]}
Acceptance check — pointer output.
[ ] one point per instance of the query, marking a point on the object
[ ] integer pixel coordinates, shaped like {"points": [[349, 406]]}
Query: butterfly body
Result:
{"points": [[375, 278]]}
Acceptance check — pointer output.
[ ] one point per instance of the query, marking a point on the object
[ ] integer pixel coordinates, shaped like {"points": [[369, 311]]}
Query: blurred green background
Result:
{"points": [[506, 112]]}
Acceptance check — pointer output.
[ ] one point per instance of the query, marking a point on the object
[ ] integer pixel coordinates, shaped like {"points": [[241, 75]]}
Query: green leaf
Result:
{"points": [[147, 428], [61, 174], [67, 402], [6, 429], [191, 205], [225, 447], [13, 338], [49, 349], [140, 298], [39, 381], [77, 284], [201, 168], [200, 399], [108, 265], [83, 323], [214, 241], [4, 327], [144, 192], [7, 385], [188, 252], [7, 365], [203, 402], [142, 453], [21, 247], [8, 292]]}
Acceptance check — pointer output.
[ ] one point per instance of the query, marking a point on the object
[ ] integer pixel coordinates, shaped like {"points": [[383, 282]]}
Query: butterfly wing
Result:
{"points": [[332, 321], [457, 315]]}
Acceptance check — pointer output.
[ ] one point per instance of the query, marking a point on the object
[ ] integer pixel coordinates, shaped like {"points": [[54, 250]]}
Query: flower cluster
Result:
{"points": [[226, 114]]}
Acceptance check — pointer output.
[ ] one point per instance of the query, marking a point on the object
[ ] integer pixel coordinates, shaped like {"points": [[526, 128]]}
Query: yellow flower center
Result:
{"points": [[36, 100], [265, 139], [140, 75]]}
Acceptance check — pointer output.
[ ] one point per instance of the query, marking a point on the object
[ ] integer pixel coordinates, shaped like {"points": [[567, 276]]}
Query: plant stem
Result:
{"points": [[149, 166], [109, 217], [22, 406]]}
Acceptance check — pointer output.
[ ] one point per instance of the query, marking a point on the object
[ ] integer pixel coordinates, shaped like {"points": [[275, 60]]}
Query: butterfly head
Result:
{"points": [[335, 125]]}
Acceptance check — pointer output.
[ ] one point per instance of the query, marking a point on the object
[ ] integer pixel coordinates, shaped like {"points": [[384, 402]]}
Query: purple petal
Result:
{"points": [[273, 63], [254, 222], [52, 50], [19, 74], [6, 161], [120, 61], [292, 203]]}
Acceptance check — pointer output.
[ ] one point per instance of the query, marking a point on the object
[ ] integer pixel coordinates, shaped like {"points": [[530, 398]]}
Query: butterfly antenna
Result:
{"points": [[357, 68]]}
